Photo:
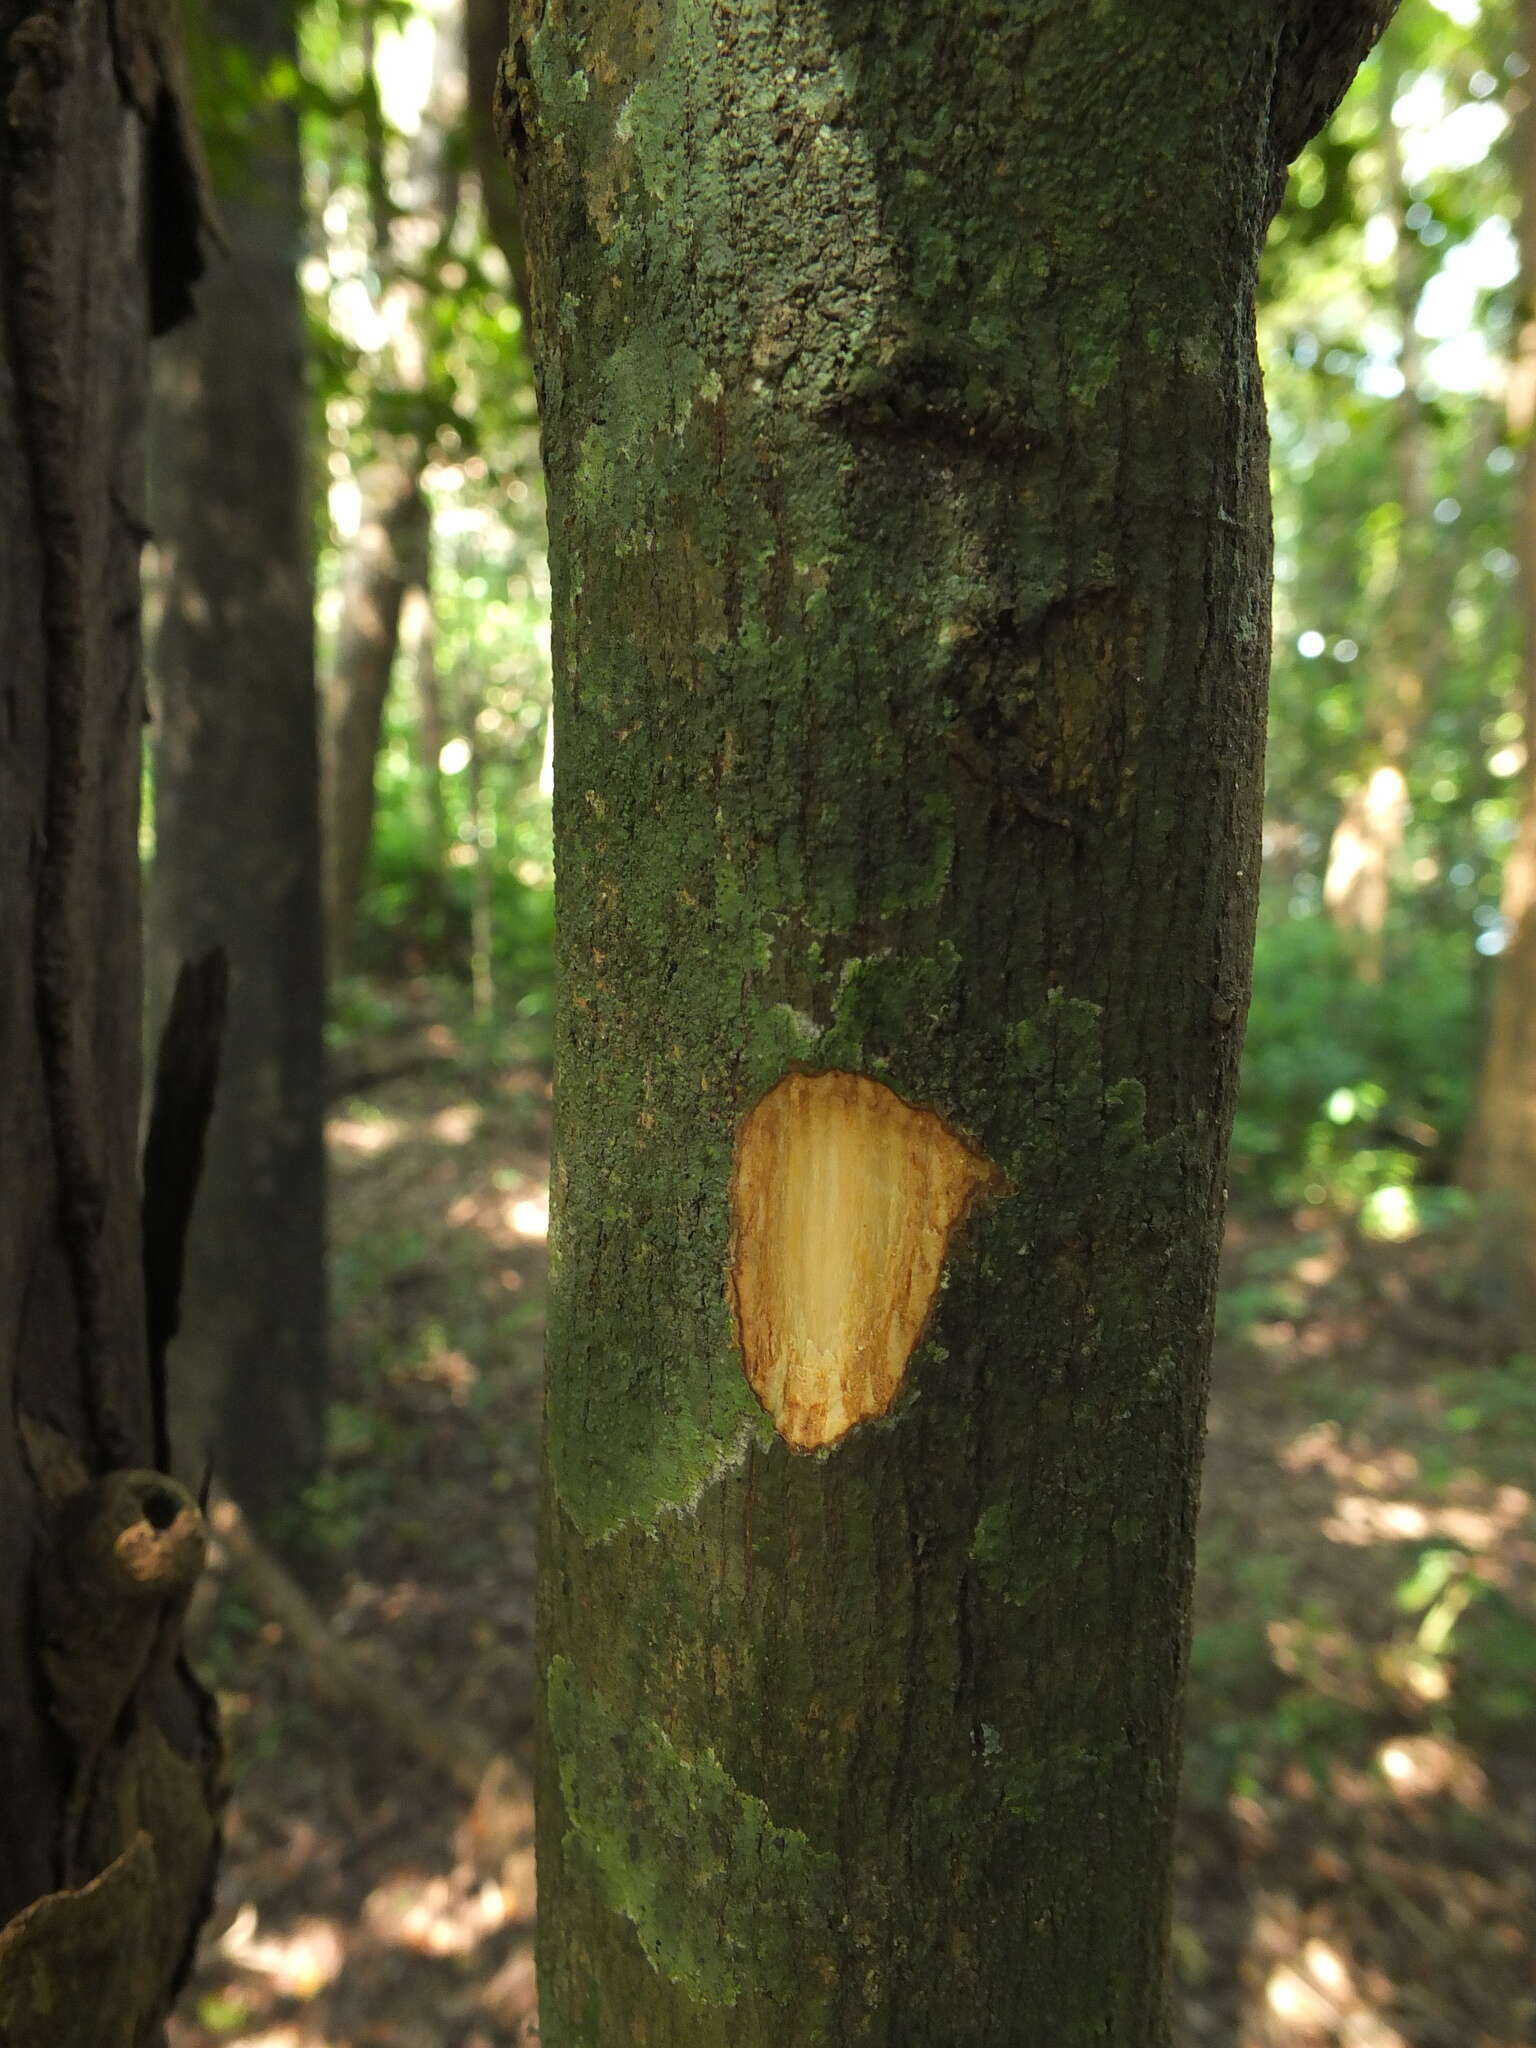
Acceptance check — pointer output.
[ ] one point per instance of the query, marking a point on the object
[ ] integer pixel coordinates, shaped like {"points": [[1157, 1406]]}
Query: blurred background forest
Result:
{"points": [[349, 644]]}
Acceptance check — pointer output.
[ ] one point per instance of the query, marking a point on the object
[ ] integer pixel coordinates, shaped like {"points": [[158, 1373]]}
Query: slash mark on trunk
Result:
{"points": [[844, 1199]]}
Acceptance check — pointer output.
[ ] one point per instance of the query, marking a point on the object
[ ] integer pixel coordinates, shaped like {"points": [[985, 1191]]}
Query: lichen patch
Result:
{"points": [[844, 1199]]}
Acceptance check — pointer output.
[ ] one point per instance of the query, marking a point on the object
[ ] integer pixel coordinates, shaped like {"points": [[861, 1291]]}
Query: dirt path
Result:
{"points": [[1356, 1857]]}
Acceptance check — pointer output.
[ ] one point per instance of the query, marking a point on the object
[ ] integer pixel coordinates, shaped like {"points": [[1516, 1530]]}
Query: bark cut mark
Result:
{"points": [[843, 1202]]}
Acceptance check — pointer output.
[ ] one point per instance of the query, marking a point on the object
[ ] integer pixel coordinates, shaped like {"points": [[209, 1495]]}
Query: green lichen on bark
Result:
{"points": [[756, 1901]]}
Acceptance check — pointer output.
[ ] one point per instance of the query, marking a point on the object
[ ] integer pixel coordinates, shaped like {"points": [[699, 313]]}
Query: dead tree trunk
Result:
{"points": [[106, 1752]]}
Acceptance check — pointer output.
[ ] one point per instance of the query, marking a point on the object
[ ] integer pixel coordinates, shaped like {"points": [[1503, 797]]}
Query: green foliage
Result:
{"points": [[1350, 1086], [418, 361], [1248, 1719], [1389, 310], [470, 831], [1397, 213]]}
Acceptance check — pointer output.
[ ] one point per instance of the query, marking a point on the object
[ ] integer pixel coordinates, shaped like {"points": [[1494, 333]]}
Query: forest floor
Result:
{"points": [[1357, 1857]]}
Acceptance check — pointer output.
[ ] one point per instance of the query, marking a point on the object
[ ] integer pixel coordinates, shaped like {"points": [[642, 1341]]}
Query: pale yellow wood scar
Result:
{"points": [[844, 1199]]}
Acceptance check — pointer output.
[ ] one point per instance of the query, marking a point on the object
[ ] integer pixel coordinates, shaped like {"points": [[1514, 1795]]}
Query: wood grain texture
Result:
{"points": [[843, 1202]]}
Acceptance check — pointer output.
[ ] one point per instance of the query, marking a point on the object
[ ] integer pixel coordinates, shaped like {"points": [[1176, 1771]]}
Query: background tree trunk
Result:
{"points": [[1500, 1156], [418, 633], [911, 560], [391, 552], [1367, 840], [388, 557], [237, 831], [105, 1758]]}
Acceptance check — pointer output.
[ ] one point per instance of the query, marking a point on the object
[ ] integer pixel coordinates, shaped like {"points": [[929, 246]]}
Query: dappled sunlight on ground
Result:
{"points": [[1419, 1766], [364, 1137], [1371, 1517], [457, 1124], [365, 1901], [1357, 1855], [517, 1212], [1360, 1825], [1317, 1995], [440, 1915], [428, 1955], [297, 1962]]}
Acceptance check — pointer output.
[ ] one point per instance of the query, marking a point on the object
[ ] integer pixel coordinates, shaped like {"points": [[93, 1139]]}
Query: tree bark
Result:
{"points": [[910, 549], [1500, 1159], [106, 1753], [237, 806]]}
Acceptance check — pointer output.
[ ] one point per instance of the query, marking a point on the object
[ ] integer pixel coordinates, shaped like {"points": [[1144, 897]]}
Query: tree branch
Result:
{"points": [[1322, 46], [456, 1750]]}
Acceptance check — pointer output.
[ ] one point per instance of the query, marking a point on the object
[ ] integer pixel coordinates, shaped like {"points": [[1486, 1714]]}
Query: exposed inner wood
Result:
{"points": [[843, 1202]]}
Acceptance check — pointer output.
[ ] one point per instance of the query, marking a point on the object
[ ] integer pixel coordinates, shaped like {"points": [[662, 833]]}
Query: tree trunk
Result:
{"points": [[388, 557], [1501, 1149], [485, 32], [391, 551], [237, 830], [910, 548], [106, 1754], [418, 633], [482, 915], [1368, 838]]}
